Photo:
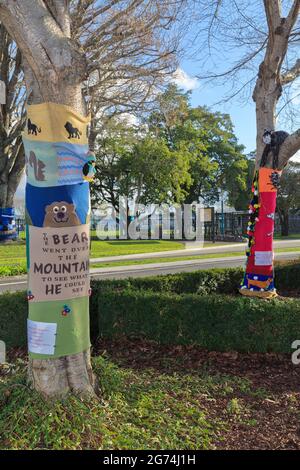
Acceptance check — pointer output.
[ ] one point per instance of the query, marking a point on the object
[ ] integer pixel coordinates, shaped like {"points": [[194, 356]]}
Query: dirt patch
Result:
{"points": [[261, 410]]}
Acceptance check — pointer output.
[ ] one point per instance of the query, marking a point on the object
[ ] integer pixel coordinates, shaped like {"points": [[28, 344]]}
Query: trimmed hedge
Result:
{"points": [[181, 309], [213, 322], [13, 319], [220, 281]]}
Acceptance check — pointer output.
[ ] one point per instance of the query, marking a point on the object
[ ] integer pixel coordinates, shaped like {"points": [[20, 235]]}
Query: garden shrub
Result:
{"points": [[201, 308]]}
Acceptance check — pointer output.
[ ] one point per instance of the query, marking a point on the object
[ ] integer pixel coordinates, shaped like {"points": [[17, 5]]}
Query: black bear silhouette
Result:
{"points": [[73, 132], [33, 128]]}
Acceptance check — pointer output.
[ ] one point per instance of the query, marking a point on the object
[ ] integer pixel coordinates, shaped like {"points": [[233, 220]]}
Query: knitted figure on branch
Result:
{"points": [[273, 141]]}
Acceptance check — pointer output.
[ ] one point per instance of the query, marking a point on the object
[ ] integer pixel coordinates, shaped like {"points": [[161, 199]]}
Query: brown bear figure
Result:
{"points": [[60, 214]]}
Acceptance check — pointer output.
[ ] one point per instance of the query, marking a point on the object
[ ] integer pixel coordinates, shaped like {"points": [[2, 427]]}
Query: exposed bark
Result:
{"points": [[289, 148], [54, 70], [12, 159], [56, 63], [292, 74]]}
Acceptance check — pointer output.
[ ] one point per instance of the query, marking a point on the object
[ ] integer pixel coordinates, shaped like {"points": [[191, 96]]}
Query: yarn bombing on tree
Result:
{"points": [[59, 167], [259, 276]]}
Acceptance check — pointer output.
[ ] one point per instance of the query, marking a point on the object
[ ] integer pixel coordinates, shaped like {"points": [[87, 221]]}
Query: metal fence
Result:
{"points": [[228, 225]]}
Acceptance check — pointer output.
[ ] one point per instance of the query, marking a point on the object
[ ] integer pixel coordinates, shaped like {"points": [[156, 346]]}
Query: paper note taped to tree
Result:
{"points": [[41, 337], [59, 262]]}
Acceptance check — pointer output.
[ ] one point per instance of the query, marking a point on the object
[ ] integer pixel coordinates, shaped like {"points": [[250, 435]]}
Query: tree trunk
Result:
{"points": [[284, 223], [259, 277], [54, 71], [7, 213], [9, 180]]}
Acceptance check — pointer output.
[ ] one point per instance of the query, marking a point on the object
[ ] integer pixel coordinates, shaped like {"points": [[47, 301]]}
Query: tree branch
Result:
{"points": [[273, 14], [290, 146], [293, 15], [291, 74], [59, 9]]}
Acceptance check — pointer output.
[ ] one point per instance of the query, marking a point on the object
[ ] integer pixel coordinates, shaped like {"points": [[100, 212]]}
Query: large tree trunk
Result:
{"points": [[54, 72], [12, 161], [259, 276]]}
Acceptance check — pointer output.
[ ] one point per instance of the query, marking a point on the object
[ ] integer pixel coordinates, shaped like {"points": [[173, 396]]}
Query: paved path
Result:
{"points": [[120, 272], [191, 251]]}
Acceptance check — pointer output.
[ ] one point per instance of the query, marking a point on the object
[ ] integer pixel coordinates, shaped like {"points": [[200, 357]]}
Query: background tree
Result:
{"points": [[240, 198], [130, 46], [272, 41], [173, 155], [216, 158], [12, 119], [288, 199], [134, 163]]}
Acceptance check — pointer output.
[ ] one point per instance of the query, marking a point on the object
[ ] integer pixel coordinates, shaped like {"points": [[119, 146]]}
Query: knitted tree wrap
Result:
{"points": [[259, 276], [58, 238]]}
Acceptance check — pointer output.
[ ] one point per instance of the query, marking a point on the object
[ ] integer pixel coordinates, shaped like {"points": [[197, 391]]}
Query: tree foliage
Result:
{"points": [[288, 200], [176, 154]]}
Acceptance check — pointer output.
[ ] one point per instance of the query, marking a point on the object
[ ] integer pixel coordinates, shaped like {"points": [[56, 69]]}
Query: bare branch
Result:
{"points": [[290, 146], [293, 15], [291, 74]]}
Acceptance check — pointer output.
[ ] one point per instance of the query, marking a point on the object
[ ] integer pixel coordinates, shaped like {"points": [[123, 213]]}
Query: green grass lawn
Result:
{"points": [[157, 398], [293, 236], [130, 247], [12, 253], [137, 410]]}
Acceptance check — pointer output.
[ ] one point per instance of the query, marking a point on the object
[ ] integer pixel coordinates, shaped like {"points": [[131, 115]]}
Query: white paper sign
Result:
{"points": [[41, 337], [263, 258]]}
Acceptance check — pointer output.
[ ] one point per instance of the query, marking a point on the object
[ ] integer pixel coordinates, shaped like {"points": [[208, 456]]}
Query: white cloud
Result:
{"points": [[184, 80]]}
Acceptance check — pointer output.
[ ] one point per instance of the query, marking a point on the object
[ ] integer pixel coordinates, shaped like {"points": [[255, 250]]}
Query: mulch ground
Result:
{"points": [[271, 405]]}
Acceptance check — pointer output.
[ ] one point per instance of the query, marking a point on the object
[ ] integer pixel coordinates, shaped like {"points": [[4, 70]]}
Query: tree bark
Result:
{"points": [[285, 224], [283, 214], [54, 70], [268, 88]]}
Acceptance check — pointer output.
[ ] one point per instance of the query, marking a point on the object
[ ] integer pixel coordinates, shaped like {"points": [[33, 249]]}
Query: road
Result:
{"points": [[153, 269], [192, 249]]}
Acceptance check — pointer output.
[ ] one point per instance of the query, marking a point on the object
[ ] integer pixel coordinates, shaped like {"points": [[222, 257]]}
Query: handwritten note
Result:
{"points": [[41, 337]]}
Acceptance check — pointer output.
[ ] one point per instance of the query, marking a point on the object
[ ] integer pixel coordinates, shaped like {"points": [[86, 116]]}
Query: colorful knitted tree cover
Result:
{"points": [[59, 167], [259, 277]]}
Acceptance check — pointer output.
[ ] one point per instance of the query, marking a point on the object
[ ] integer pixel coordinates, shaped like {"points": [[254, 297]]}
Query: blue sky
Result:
{"points": [[242, 113], [216, 46], [241, 110]]}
